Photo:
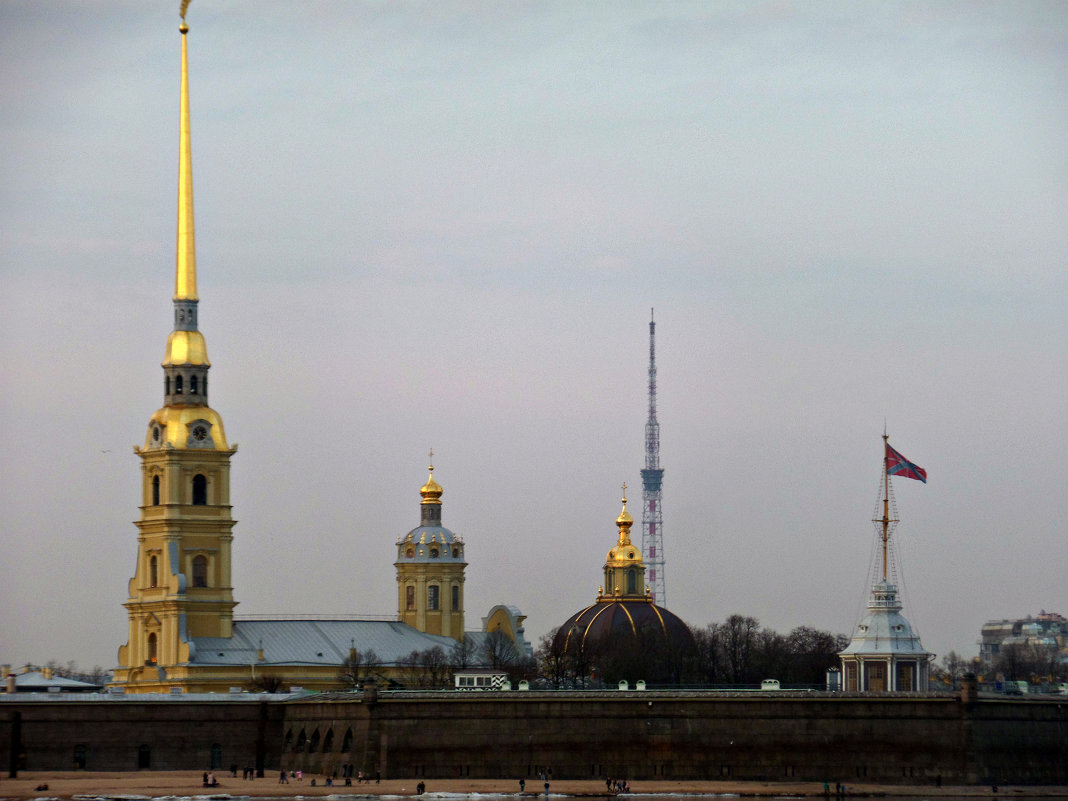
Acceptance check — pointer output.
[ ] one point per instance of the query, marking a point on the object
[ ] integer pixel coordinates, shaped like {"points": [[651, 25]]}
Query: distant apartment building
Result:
{"points": [[1044, 630]]}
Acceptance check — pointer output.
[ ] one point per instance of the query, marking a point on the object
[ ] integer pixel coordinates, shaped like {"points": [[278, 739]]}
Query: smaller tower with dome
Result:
{"points": [[885, 653], [430, 570], [624, 635]]}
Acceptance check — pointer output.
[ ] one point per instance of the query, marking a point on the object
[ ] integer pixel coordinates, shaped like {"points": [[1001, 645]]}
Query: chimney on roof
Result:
{"points": [[5, 671], [46, 672]]}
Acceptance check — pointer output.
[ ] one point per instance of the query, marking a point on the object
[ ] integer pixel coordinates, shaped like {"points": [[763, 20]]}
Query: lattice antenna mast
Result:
{"points": [[652, 482]]}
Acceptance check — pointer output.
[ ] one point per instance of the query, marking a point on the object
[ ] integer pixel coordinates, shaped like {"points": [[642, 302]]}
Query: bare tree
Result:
{"points": [[435, 666], [551, 660], [499, 650], [739, 639], [358, 668], [953, 668], [462, 654]]}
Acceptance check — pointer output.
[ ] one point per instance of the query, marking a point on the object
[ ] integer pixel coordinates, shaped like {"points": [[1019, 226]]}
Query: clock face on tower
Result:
{"points": [[200, 433]]}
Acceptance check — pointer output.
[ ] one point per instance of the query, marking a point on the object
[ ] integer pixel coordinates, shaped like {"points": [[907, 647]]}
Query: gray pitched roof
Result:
{"points": [[313, 642]]}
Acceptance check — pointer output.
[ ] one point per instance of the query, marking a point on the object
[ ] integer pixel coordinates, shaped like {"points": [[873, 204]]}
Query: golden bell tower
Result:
{"points": [[181, 587], [430, 570]]}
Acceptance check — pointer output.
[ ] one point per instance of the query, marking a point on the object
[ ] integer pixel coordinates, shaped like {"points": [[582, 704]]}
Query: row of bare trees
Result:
{"points": [[741, 651], [433, 668]]}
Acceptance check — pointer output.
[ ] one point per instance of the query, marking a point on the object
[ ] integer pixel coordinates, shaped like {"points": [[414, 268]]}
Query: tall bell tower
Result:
{"points": [[181, 587], [430, 570]]}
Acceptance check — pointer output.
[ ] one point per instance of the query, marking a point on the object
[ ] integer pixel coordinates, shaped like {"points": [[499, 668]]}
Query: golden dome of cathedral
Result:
{"points": [[431, 490]]}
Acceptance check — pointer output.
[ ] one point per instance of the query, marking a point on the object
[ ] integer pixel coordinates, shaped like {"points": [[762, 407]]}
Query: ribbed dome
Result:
{"points": [[629, 638]]}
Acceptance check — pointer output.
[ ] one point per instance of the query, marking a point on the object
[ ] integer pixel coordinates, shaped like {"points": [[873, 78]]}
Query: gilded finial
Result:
{"points": [[624, 521], [185, 7], [431, 491]]}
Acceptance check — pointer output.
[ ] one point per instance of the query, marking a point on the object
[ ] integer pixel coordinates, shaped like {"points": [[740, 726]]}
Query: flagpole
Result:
{"points": [[886, 499]]}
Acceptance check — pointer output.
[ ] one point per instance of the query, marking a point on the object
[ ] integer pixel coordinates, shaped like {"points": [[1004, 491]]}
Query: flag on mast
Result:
{"points": [[898, 465]]}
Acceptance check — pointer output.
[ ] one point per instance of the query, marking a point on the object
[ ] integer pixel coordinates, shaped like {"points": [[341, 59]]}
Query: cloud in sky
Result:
{"points": [[444, 225]]}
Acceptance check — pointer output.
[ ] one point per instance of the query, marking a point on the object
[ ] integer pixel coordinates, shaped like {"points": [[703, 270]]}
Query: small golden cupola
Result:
{"points": [[431, 492], [624, 569]]}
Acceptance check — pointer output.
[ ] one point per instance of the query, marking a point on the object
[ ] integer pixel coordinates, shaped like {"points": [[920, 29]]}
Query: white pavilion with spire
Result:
{"points": [[885, 654]]}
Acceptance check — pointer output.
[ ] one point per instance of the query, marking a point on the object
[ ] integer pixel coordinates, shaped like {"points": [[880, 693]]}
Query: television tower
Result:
{"points": [[652, 479]]}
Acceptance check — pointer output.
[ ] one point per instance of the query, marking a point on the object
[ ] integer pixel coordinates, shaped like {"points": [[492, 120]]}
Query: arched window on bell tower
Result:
{"points": [[153, 572], [155, 490], [177, 385], [150, 657], [192, 385], [200, 571], [200, 490]]}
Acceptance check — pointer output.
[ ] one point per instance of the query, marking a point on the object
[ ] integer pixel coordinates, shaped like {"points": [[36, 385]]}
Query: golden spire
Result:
{"points": [[185, 267], [624, 521]]}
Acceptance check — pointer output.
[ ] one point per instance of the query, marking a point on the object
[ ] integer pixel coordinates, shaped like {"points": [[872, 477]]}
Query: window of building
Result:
{"points": [[455, 597], [216, 756], [409, 598], [433, 553], [80, 757], [155, 490], [153, 572], [144, 757], [455, 553], [167, 385], [177, 385], [200, 490], [432, 597], [328, 741], [632, 582], [192, 385], [302, 740], [200, 571], [150, 657], [313, 744], [346, 744]]}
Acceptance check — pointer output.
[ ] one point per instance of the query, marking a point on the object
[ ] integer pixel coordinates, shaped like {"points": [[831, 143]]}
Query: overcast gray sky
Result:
{"points": [[444, 224]]}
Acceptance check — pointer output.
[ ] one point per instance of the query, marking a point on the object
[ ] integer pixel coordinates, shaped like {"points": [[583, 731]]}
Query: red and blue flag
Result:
{"points": [[898, 465]]}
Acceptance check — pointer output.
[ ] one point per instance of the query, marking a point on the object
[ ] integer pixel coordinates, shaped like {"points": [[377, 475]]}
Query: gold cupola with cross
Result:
{"points": [[430, 570], [181, 587], [624, 570]]}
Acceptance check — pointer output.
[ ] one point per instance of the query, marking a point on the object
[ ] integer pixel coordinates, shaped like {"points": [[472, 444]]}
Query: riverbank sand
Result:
{"points": [[70, 784]]}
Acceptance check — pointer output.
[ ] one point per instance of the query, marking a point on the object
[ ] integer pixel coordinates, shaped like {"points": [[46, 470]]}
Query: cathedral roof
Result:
{"points": [[313, 642]]}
